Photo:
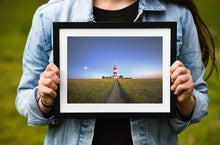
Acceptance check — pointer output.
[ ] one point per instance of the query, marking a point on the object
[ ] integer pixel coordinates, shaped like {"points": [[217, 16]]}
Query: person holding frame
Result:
{"points": [[40, 79]]}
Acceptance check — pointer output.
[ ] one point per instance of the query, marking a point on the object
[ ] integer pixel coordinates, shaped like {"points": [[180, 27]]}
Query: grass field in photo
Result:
{"points": [[141, 90], [98, 90], [89, 90]]}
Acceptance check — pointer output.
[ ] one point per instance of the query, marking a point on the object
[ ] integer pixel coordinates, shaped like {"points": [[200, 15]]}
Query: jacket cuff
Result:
{"points": [[35, 116], [199, 112]]}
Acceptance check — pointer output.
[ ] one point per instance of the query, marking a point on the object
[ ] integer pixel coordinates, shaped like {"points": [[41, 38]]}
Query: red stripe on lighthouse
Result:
{"points": [[115, 71]]}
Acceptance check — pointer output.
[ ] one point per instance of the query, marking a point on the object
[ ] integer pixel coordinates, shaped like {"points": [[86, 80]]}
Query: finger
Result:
{"points": [[179, 89], [46, 92], [188, 87], [179, 71], [53, 76], [184, 95], [49, 83], [181, 97], [175, 65], [42, 75], [181, 79], [52, 67]]}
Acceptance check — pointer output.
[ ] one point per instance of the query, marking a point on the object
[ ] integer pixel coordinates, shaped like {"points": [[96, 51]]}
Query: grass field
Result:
{"points": [[141, 90], [89, 90], [15, 23]]}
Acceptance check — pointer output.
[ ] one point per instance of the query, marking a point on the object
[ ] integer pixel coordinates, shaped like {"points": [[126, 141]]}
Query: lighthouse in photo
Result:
{"points": [[115, 76]]}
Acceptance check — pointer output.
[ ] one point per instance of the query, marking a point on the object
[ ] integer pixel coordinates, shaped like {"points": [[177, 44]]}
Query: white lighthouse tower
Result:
{"points": [[115, 75]]}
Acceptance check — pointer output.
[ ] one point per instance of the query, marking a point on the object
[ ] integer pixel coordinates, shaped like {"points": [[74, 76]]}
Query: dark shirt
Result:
{"points": [[127, 14], [112, 131]]}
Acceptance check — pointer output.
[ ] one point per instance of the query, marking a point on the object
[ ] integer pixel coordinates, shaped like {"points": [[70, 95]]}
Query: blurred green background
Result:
{"points": [[15, 22]]}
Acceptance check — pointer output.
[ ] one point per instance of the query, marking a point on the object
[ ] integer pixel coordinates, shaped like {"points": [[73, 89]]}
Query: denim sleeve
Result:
{"points": [[35, 60], [190, 55]]}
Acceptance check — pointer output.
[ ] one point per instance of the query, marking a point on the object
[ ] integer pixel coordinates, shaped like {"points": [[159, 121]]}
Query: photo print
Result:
{"points": [[114, 69]]}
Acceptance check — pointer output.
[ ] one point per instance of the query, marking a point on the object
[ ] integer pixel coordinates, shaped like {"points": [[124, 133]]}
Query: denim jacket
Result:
{"points": [[39, 53]]}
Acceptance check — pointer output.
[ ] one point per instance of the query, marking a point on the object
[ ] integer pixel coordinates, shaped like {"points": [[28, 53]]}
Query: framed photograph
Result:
{"points": [[114, 70]]}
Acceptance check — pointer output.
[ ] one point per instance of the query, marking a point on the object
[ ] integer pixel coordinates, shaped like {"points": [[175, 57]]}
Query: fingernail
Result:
{"points": [[172, 87], [175, 93]]}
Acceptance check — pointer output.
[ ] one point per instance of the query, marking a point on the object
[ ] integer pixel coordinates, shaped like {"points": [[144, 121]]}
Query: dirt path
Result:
{"points": [[115, 95]]}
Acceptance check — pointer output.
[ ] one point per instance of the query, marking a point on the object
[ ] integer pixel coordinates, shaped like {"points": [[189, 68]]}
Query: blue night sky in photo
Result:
{"points": [[94, 57]]}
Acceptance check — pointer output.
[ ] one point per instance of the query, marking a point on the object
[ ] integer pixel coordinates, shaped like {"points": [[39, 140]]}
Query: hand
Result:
{"points": [[183, 88], [47, 86]]}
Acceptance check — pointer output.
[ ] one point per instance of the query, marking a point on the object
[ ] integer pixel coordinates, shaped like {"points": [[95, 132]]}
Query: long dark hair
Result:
{"points": [[205, 37]]}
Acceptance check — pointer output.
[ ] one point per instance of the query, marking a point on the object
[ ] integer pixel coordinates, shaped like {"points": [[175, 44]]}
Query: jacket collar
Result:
{"points": [[151, 5], [83, 10]]}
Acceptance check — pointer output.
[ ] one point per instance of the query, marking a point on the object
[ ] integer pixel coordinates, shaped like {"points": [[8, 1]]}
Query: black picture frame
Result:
{"points": [[166, 30]]}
